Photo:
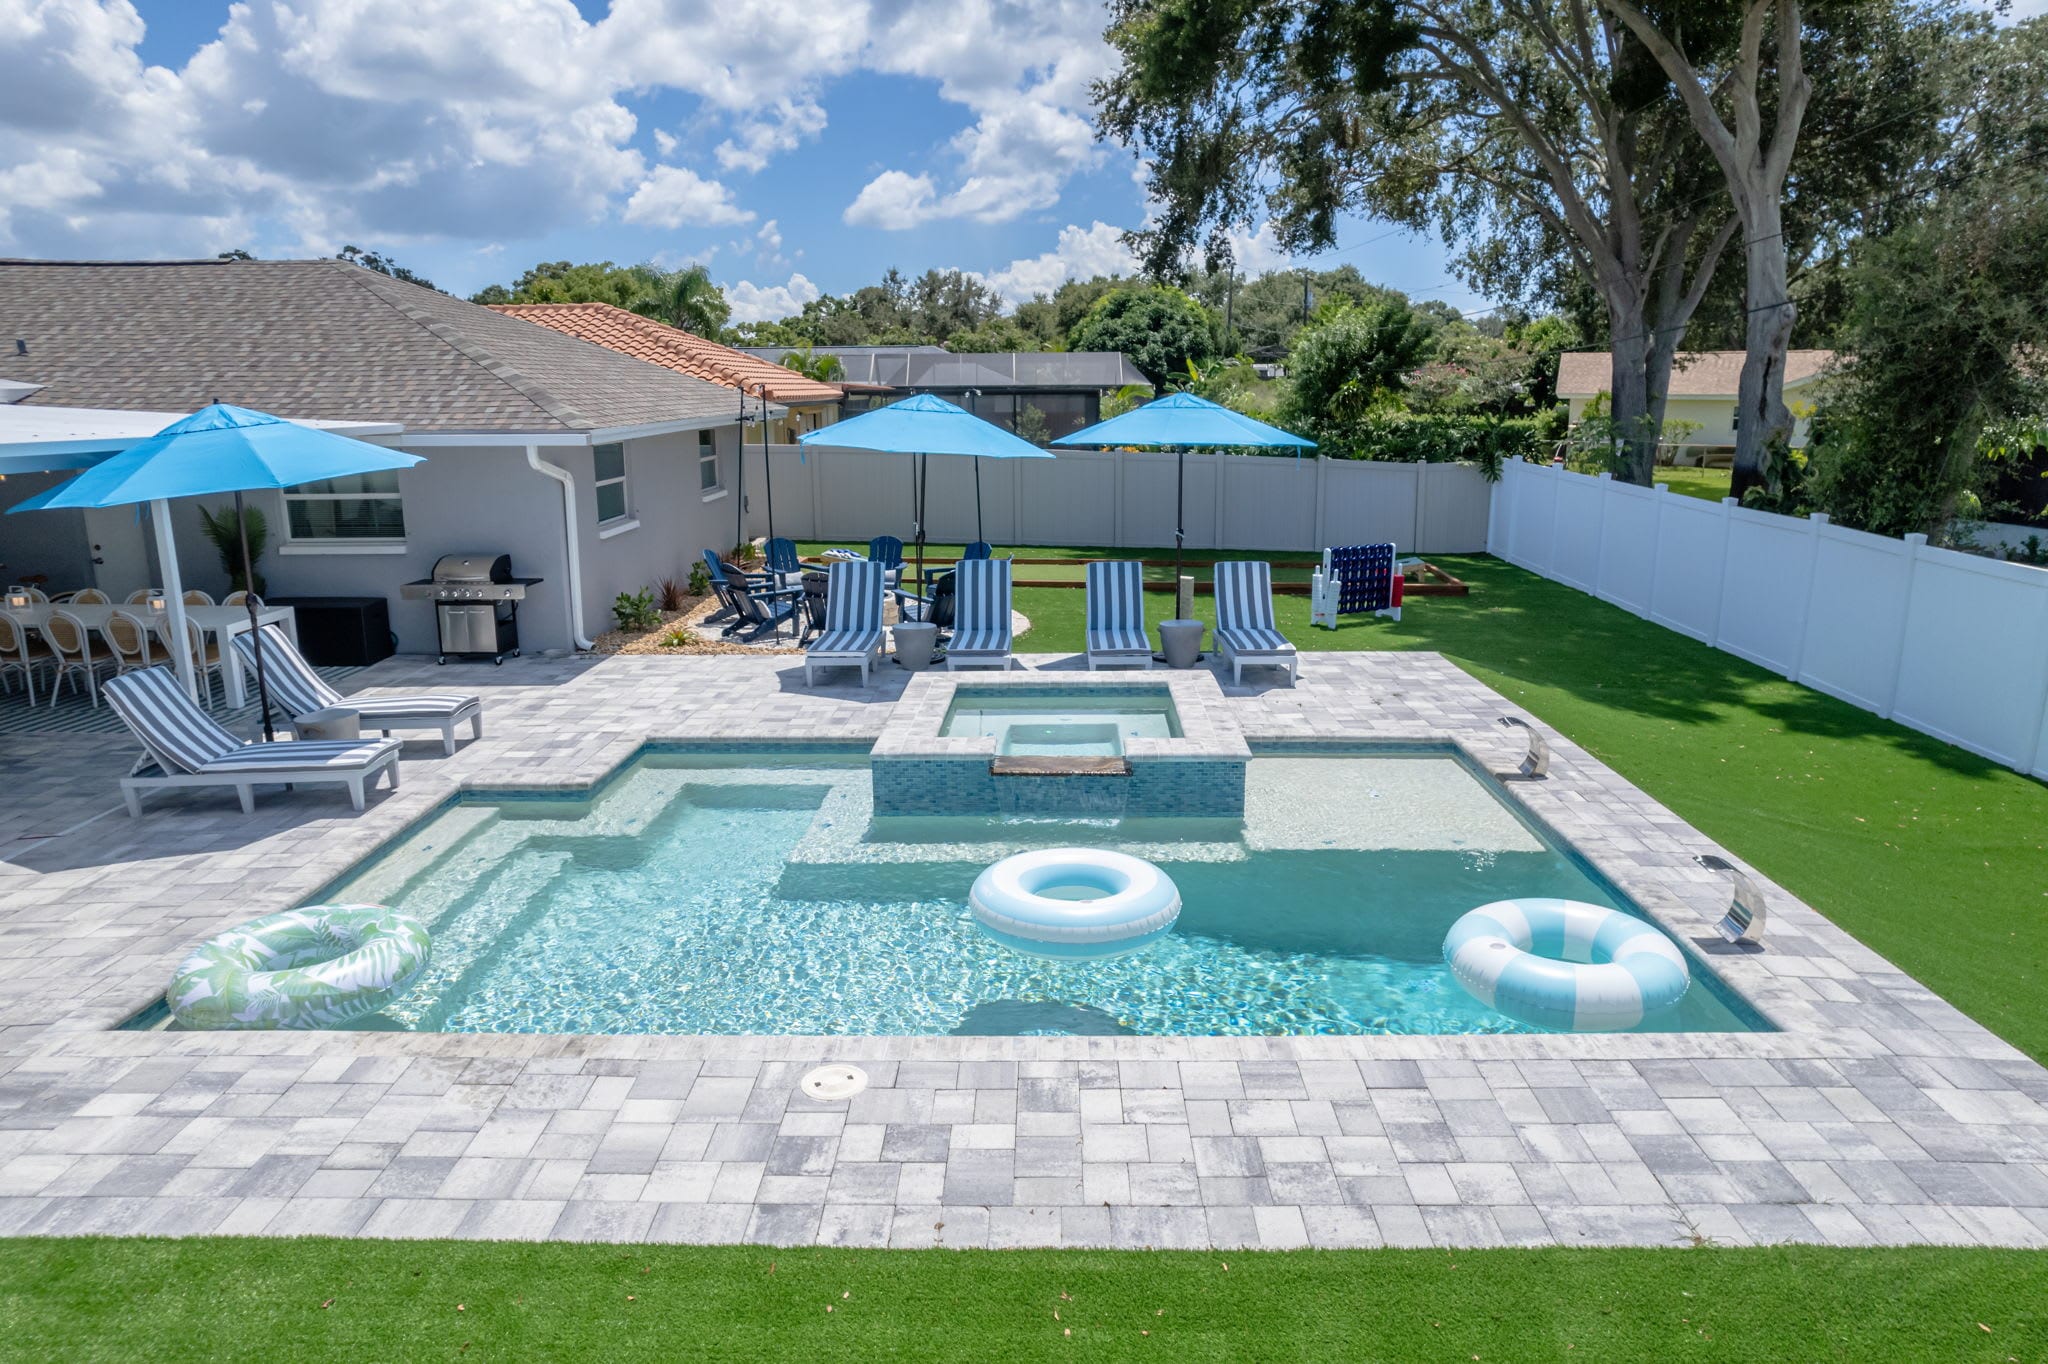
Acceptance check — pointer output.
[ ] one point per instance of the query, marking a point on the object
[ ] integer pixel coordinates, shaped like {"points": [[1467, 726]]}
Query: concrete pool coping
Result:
{"points": [[1878, 1114]]}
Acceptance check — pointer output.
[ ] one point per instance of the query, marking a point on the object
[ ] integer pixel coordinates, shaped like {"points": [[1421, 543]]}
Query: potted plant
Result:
{"points": [[226, 535]]}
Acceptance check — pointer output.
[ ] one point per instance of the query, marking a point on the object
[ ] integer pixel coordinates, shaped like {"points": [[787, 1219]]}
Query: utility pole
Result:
{"points": [[1229, 296], [1304, 295]]}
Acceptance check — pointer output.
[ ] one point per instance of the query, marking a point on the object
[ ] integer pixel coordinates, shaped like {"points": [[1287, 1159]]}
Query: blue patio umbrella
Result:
{"points": [[923, 425], [218, 449], [1181, 422]]}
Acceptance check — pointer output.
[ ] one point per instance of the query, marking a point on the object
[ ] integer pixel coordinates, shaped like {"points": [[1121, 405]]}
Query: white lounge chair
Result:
{"points": [[1116, 615], [981, 615], [853, 621], [301, 691], [184, 747], [1245, 634]]}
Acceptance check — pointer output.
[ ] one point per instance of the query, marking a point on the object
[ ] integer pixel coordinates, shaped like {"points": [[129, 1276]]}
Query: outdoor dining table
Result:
{"points": [[221, 623]]}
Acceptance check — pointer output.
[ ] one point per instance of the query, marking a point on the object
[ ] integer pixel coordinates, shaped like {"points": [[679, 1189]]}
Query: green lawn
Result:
{"points": [[1710, 485], [221, 1300], [1935, 858]]}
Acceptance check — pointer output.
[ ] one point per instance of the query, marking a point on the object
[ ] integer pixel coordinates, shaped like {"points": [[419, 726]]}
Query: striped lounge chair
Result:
{"points": [[981, 615], [1116, 614], [182, 746], [1245, 634], [301, 691], [853, 621]]}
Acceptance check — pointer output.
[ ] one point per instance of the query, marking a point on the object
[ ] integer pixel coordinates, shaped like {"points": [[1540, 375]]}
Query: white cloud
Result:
{"points": [[788, 125], [753, 302], [673, 195], [892, 201], [1082, 253]]}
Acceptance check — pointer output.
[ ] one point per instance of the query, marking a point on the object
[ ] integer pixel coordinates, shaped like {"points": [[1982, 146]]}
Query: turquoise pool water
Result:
{"points": [[1062, 724], [702, 894]]}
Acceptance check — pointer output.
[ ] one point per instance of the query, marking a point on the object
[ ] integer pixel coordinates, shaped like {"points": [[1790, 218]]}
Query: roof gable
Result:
{"points": [[318, 338]]}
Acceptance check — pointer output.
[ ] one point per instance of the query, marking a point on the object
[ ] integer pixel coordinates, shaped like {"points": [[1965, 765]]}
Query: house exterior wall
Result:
{"points": [[1712, 417], [52, 543], [678, 521]]}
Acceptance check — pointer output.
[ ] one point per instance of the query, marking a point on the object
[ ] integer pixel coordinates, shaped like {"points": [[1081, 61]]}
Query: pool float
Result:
{"points": [[302, 968], [1565, 964], [1132, 903]]}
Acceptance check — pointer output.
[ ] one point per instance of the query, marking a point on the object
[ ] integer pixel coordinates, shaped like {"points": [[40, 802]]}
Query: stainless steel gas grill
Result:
{"points": [[477, 602]]}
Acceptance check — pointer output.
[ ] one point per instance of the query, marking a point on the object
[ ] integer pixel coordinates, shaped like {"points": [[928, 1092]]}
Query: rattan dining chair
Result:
{"points": [[141, 595], [194, 597], [21, 651], [90, 596], [71, 649], [127, 636]]}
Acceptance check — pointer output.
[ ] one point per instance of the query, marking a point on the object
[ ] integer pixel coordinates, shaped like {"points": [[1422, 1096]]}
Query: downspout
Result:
{"points": [[575, 586]]}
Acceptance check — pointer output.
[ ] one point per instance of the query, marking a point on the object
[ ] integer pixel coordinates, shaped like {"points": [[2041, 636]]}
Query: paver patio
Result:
{"points": [[1877, 1114]]}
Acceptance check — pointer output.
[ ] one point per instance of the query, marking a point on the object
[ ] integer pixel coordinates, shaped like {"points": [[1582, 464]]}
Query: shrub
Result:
{"points": [[670, 594], [700, 578], [682, 637], [1429, 438], [635, 610]]}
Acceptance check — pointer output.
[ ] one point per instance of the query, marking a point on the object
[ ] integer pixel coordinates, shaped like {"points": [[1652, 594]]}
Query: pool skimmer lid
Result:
{"points": [[828, 1083]]}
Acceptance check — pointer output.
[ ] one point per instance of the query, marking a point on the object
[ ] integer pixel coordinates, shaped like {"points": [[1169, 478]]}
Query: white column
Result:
{"points": [[174, 595]]}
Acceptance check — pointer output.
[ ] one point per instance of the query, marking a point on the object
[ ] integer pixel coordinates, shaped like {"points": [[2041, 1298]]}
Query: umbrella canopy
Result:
{"points": [[923, 425], [1186, 422], [218, 449], [1183, 422]]}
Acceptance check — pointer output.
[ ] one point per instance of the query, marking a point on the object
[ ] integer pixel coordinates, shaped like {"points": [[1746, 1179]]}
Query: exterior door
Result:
{"points": [[120, 550]]}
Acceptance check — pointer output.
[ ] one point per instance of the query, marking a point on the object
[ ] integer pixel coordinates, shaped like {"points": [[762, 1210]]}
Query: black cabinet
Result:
{"points": [[344, 632]]}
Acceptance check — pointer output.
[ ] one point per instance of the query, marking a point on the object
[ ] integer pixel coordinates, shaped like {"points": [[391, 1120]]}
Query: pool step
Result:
{"points": [[383, 882], [470, 938]]}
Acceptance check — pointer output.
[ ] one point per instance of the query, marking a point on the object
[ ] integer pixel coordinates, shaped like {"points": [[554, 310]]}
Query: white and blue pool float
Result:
{"points": [[1565, 964], [1128, 904]]}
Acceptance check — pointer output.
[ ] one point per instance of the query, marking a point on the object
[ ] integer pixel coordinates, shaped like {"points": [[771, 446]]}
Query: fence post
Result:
{"points": [[1605, 490], [1116, 496], [1660, 498], [1500, 511], [1421, 504], [1322, 501], [1728, 506], [1914, 544], [1815, 524]]}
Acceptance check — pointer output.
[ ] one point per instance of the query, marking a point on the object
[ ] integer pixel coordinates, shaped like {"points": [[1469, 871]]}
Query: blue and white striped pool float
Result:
{"points": [[1566, 964], [1132, 903]]}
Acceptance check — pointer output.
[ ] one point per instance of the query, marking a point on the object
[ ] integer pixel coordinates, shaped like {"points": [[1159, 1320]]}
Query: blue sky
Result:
{"points": [[793, 147]]}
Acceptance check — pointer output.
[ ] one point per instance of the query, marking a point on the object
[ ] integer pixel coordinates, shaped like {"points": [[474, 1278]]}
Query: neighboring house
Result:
{"points": [[811, 404], [595, 471], [1703, 385], [1040, 396]]}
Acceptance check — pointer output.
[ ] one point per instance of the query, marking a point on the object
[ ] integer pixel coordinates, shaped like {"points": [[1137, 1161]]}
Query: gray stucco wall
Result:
{"points": [[676, 525], [52, 543]]}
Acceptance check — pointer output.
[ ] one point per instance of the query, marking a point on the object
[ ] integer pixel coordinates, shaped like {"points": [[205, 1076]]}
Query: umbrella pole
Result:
{"points": [[174, 595], [980, 531], [767, 466], [255, 638], [1180, 490], [739, 511], [922, 468]]}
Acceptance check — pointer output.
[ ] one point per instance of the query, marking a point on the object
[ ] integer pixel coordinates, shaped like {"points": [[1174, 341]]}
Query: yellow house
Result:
{"points": [[1699, 414]]}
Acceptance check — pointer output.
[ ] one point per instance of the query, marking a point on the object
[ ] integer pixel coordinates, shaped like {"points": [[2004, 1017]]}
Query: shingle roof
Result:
{"points": [[685, 352], [317, 338], [1694, 374]]}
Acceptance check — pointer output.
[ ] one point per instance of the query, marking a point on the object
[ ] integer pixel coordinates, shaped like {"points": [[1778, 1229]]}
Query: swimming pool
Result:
{"points": [[723, 894]]}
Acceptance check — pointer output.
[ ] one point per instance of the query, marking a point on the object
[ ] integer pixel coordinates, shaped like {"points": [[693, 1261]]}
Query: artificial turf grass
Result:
{"points": [[236, 1298], [1931, 856]]}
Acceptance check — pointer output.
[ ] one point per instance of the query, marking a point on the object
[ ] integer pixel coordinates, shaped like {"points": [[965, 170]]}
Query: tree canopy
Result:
{"points": [[1161, 329]]}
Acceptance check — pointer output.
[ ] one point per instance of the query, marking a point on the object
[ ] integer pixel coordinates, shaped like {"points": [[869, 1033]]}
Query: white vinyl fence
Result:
{"points": [[1950, 644], [1125, 498]]}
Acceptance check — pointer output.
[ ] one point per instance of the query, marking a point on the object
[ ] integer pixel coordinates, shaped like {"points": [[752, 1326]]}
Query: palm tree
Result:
{"points": [[689, 300], [826, 369]]}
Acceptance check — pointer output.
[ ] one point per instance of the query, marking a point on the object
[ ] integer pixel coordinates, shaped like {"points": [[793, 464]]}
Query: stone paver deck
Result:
{"points": [[1876, 1114]]}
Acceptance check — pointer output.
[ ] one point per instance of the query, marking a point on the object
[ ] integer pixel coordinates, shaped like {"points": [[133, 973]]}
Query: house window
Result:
{"points": [[707, 462], [361, 507], [611, 482]]}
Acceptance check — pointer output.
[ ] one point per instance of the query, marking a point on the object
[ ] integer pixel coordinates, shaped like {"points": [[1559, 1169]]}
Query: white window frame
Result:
{"points": [[622, 482], [707, 454], [340, 544]]}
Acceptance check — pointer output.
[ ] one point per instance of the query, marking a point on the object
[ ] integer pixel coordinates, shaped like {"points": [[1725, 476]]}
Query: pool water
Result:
{"points": [[702, 894], [1064, 724]]}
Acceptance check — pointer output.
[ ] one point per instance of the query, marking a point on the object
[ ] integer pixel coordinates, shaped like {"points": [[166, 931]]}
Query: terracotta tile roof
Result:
{"points": [[643, 338], [1695, 374], [316, 338]]}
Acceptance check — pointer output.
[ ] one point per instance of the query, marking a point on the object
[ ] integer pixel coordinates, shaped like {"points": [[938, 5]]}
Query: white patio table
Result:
{"points": [[220, 623]]}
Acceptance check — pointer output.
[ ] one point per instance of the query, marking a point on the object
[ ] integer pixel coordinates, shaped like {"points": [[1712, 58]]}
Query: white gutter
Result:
{"points": [[575, 570]]}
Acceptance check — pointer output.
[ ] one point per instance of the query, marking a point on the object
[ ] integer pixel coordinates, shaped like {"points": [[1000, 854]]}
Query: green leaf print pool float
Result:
{"points": [[303, 968]]}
